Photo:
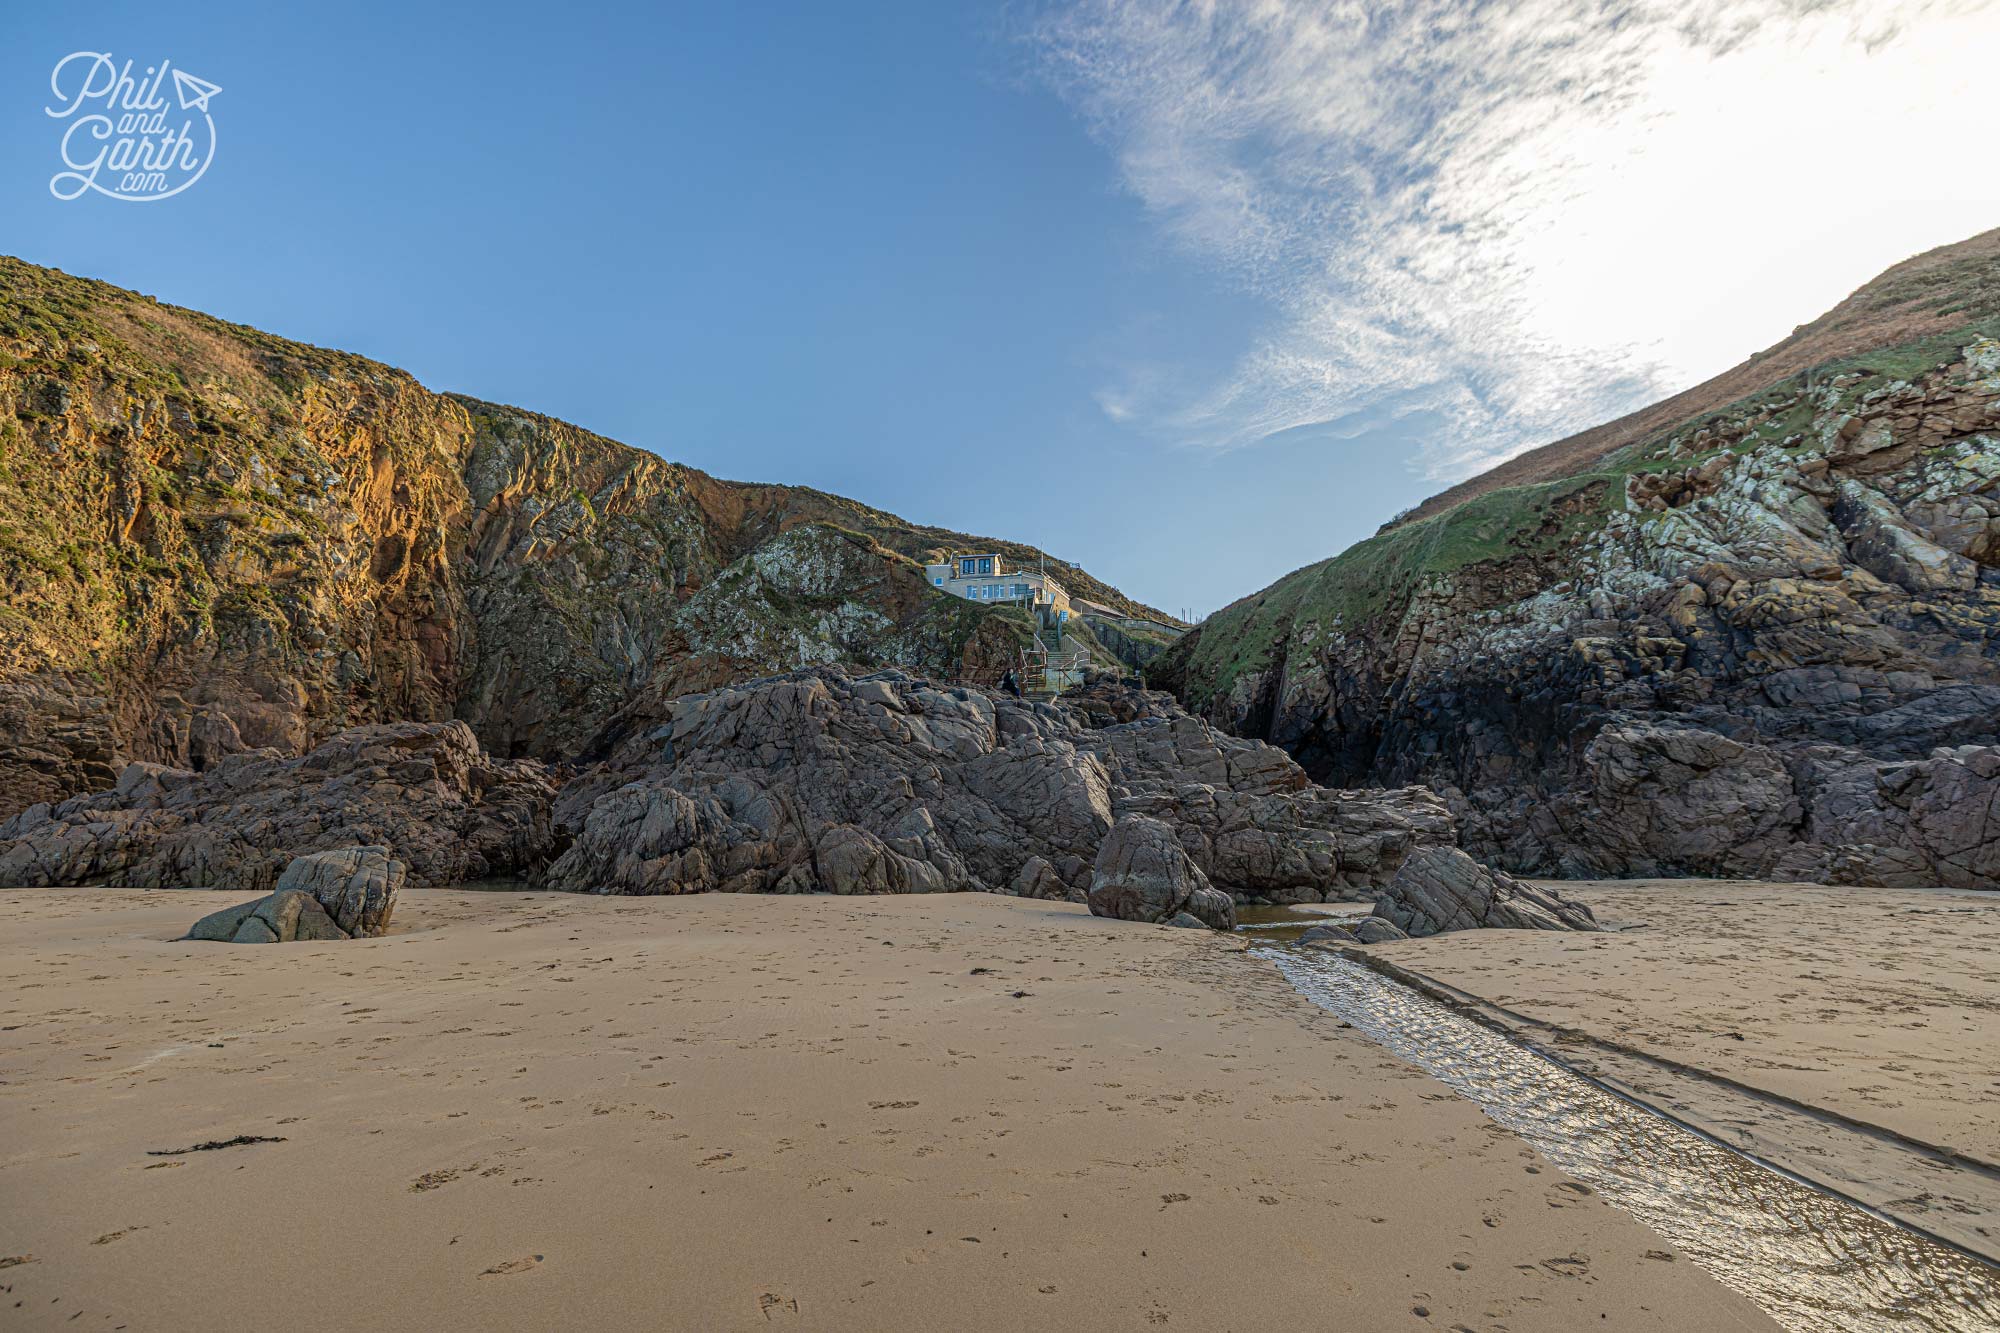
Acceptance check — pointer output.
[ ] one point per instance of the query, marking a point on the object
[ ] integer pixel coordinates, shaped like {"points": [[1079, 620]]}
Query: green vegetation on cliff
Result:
{"points": [[212, 537], [1369, 586]]}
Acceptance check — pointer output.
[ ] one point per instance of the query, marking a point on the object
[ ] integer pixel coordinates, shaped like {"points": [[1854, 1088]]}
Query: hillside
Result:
{"points": [[1934, 293], [213, 539], [1701, 639]]}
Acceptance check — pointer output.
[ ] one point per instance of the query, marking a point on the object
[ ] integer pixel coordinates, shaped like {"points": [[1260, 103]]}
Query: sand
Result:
{"points": [[739, 1113], [1879, 1006]]}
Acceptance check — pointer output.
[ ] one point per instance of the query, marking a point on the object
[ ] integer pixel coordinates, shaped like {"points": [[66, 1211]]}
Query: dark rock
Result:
{"points": [[222, 925], [1186, 921], [355, 887], [1441, 888], [1376, 929], [1327, 932], [315, 924], [1142, 873], [358, 883], [1212, 907], [422, 790], [1744, 665], [254, 930], [891, 784]]}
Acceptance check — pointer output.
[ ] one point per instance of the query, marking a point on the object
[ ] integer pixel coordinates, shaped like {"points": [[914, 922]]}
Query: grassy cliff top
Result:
{"points": [[1934, 293], [1928, 310]]}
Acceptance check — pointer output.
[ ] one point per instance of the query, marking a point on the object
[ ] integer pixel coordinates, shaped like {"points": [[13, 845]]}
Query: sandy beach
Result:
{"points": [[960, 1111], [1866, 1016]]}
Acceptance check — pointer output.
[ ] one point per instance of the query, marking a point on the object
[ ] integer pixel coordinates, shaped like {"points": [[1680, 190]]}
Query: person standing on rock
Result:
{"points": [[1010, 682]]}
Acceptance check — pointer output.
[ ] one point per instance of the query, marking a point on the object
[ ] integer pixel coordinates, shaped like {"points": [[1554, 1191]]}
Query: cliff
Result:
{"points": [[214, 540], [1757, 638]]}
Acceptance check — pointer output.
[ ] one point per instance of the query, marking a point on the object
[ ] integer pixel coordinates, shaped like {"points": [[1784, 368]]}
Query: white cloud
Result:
{"points": [[1524, 217]]}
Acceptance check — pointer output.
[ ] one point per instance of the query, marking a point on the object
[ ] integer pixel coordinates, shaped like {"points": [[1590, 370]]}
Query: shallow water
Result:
{"points": [[1815, 1263], [1283, 925]]}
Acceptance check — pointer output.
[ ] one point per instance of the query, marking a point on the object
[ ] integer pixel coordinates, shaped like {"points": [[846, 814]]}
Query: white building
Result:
{"points": [[983, 576]]}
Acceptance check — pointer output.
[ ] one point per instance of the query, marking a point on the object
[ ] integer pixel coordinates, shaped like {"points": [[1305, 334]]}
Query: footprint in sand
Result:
{"points": [[521, 1265]]}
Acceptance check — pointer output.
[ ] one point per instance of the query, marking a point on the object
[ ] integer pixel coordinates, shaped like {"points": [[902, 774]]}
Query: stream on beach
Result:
{"points": [[1816, 1263]]}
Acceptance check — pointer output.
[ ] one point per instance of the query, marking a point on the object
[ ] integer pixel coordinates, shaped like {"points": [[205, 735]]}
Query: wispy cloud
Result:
{"points": [[1523, 217]]}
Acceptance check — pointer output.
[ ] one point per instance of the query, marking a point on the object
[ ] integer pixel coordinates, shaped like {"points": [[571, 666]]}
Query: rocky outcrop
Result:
{"points": [[279, 918], [357, 886], [344, 894], [420, 792], [1761, 642], [1441, 888], [1142, 874], [215, 541], [1368, 930], [820, 781]]}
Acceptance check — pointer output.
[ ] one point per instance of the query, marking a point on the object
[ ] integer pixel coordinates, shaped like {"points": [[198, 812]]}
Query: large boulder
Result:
{"points": [[277, 918], [1441, 888], [1927, 821], [343, 893], [355, 886], [423, 790], [1667, 798], [346, 893], [1143, 874]]}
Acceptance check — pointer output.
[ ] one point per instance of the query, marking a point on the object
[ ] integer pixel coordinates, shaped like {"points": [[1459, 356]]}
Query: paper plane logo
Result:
{"points": [[194, 93], [123, 138]]}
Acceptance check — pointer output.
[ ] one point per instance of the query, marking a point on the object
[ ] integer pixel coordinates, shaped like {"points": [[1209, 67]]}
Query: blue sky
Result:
{"points": [[1193, 297]]}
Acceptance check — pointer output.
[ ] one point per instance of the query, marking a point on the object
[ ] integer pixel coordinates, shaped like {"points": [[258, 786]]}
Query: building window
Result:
{"points": [[939, 581], [986, 566]]}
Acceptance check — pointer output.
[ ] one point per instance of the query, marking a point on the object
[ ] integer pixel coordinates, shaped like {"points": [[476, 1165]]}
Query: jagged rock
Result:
{"points": [[278, 918], [1664, 797], [1441, 888], [1142, 874], [355, 886], [1186, 921], [1038, 879], [422, 790], [1928, 821], [1212, 907], [224, 924], [889, 784], [1376, 929], [315, 924]]}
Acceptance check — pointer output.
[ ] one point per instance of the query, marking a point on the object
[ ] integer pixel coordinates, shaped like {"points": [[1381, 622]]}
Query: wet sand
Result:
{"points": [[532, 1111], [1878, 1006]]}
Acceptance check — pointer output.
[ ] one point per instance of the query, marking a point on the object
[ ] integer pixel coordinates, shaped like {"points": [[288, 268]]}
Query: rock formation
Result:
{"points": [[1143, 874], [344, 894], [425, 790], [822, 781], [213, 540], [1755, 635], [1441, 888], [1368, 930]]}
